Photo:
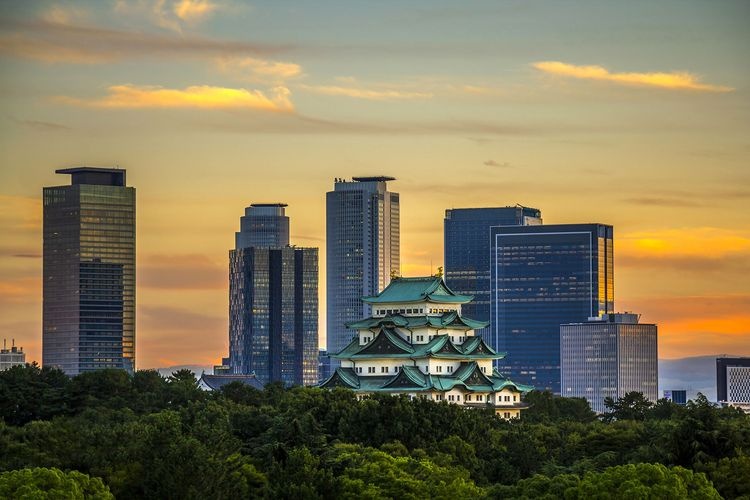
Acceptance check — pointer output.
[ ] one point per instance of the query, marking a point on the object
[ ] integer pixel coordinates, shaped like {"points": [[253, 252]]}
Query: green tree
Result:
{"points": [[632, 406], [42, 483]]}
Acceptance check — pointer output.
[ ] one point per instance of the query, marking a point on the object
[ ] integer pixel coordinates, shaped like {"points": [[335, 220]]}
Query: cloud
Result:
{"points": [[493, 163], [664, 202], [168, 14], [193, 10], [181, 272], [672, 81], [53, 42], [42, 126], [375, 94], [259, 70], [198, 96]]}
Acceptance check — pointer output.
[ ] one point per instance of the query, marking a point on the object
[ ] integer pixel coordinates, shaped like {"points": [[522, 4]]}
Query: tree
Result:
{"points": [[632, 406], [42, 483]]}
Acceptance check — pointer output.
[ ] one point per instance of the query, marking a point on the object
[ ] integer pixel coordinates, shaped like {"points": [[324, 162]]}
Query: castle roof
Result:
{"points": [[447, 320], [406, 290], [410, 379], [389, 344]]}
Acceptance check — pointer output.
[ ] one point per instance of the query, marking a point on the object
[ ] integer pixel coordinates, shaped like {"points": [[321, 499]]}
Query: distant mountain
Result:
{"points": [[696, 374]]}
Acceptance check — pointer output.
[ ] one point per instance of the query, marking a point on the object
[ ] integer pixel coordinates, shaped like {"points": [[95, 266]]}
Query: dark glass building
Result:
{"points": [[466, 247], [88, 313], [273, 307], [542, 277], [362, 250]]}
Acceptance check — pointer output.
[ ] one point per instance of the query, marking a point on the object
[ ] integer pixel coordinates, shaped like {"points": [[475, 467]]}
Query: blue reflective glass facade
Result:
{"points": [[273, 314], [362, 250], [542, 277], [88, 312], [466, 246]]}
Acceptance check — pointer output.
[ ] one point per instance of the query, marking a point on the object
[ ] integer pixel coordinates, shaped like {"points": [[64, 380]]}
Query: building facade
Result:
{"points": [[362, 250], [273, 306], [733, 382], [264, 225], [609, 356], [677, 396], [466, 250], [542, 277], [88, 313], [10, 357], [417, 343]]}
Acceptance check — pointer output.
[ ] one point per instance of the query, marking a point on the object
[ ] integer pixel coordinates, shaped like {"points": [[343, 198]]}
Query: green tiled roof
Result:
{"points": [[446, 320], [389, 344], [430, 288], [411, 379]]}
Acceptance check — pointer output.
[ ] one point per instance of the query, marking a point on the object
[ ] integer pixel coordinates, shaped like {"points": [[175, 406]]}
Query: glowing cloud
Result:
{"points": [[367, 93], [193, 10], [199, 96], [673, 81], [704, 242], [260, 70]]}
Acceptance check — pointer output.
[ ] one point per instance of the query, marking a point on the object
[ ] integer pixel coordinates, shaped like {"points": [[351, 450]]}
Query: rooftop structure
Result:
{"points": [[13, 356], [215, 382], [417, 343]]}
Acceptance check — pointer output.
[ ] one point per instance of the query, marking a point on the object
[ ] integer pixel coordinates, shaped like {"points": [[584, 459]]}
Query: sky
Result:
{"points": [[635, 114]]}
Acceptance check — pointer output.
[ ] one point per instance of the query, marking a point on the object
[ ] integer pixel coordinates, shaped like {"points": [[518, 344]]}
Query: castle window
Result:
{"points": [[514, 398], [468, 397], [506, 414], [480, 397], [383, 369], [370, 369], [507, 398]]}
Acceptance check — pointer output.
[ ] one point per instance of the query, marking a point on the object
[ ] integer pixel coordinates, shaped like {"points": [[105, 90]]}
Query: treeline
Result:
{"points": [[147, 436]]}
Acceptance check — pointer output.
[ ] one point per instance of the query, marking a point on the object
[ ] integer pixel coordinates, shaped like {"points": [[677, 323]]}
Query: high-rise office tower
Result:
{"points": [[542, 277], [466, 247], [273, 301], [608, 356], [362, 250], [88, 318]]}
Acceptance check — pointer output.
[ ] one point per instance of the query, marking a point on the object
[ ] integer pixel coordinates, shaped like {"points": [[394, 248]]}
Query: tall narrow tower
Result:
{"points": [[88, 318], [362, 250], [273, 300]]}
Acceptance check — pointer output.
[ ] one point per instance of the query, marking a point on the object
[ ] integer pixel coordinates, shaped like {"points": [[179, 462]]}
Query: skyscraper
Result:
{"points": [[608, 356], [466, 247], [88, 318], [362, 250], [733, 382], [273, 301], [542, 277]]}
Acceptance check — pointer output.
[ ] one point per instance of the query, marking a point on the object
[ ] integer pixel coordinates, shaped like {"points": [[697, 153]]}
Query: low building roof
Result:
{"points": [[216, 382]]}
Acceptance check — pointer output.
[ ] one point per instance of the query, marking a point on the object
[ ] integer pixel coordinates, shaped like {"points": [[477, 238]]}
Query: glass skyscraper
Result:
{"points": [[362, 250], [88, 312], [542, 277], [608, 356], [466, 247], [273, 301]]}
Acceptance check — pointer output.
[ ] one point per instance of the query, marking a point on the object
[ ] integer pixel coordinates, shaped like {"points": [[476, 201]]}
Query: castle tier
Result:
{"points": [[417, 343]]}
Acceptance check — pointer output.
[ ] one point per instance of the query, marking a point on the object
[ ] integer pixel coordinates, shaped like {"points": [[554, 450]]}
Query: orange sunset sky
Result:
{"points": [[635, 114]]}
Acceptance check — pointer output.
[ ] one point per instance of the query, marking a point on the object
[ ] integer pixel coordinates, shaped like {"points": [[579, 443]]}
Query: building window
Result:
{"points": [[484, 370], [480, 397], [370, 369], [506, 414], [468, 397], [515, 398], [507, 398], [450, 369], [458, 397]]}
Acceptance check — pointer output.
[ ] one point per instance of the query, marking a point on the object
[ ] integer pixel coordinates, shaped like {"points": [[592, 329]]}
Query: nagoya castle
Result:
{"points": [[417, 343]]}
